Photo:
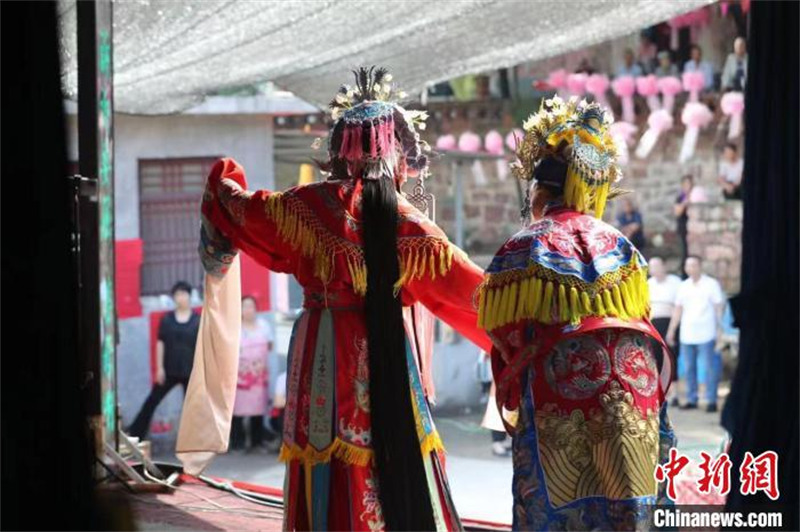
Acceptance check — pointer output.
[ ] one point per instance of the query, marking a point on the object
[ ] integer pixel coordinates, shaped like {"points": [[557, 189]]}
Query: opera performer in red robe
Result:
{"points": [[359, 442], [566, 304]]}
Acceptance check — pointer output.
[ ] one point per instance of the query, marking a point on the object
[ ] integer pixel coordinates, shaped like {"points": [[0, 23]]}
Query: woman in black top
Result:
{"points": [[177, 335]]}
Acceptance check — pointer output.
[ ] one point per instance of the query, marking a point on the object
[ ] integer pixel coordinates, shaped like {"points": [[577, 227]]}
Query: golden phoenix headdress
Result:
{"points": [[578, 134]]}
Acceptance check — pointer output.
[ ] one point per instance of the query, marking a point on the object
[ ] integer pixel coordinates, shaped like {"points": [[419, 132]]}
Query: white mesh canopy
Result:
{"points": [[169, 54]]}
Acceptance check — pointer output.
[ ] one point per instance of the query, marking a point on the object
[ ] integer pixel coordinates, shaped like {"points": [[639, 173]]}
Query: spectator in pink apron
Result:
{"points": [[251, 389]]}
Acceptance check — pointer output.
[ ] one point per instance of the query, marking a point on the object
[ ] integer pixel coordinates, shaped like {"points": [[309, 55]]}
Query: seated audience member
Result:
{"points": [[734, 73], [731, 168], [630, 223], [665, 65], [698, 64], [629, 66]]}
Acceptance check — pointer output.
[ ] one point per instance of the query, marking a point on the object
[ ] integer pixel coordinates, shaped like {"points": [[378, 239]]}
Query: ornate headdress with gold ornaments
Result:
{"points": [[371, 130], [576, 134], [566, 267]]}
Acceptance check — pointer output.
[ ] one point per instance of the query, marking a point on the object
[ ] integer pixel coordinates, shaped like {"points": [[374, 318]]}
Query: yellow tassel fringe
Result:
{"points": [[582, 197], [347, 452], [297, 225], [508, 299]]}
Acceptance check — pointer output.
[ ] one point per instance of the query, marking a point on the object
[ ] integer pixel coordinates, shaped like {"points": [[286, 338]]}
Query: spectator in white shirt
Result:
{"points": [[663, 292], [698, 309], [731, 168], [698, 64]]}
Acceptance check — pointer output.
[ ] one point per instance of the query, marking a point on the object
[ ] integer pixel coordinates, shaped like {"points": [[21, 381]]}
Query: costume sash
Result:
{"points": [[208, 406]]}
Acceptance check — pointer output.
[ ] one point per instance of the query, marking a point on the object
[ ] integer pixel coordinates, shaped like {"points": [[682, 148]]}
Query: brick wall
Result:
{"points": [[715, 234], [491, 204]]}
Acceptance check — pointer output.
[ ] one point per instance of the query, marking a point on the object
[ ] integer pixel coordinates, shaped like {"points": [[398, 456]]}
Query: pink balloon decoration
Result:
{"points": [[647, 86], [597, 85], [557, 79], [493, 142], [624, 87], [695, 115], [693, 82], [576, 84], [659, 121], [469, 141], [732, 104], [669, 87], [446, 142], [698, 195]]}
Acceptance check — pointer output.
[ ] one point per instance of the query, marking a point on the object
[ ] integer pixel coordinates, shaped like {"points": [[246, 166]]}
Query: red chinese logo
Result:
{"points": [[670, 470], [716, 474], [760, 474], [756, 473]]}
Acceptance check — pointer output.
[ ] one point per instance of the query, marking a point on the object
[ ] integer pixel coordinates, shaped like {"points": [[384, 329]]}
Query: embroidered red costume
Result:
{"points": [[566, 304], [313, 232]]}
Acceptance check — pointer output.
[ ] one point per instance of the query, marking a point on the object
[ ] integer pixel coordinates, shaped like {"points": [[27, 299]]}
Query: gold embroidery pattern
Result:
{"points": [[612, 454], [635, 363]]}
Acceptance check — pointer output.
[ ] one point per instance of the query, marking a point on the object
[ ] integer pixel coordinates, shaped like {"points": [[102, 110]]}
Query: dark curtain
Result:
{"points": [[46, 451], [762, 411]]}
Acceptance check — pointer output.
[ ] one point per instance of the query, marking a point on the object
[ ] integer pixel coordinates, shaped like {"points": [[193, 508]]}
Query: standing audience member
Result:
{"points": [[629, 66], [734, 74], [251, 387], [663, 293], [731, 168], [630, 223], [681, 214], [665, 65], [698, 310], [698, 64], [177, 335]]}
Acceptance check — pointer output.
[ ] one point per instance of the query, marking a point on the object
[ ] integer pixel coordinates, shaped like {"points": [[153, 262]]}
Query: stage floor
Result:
{"points": [[480, 482], [196, 506]]}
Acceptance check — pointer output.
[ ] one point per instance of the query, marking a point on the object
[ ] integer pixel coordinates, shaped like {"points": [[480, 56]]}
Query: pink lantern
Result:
{"points": [[493, 142], [513, 138], [647, 86], [576, 84], [622, 132], [446, 142], [732, 104], [694, 116], [659, 121], [693, 82], [669, 87], [698, 195], [597, 85], [469, 141], [557, 79], [624, 87]]}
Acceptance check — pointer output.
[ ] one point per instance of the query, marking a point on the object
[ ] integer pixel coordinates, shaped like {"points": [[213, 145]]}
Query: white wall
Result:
{"points": [[246, 138]]}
